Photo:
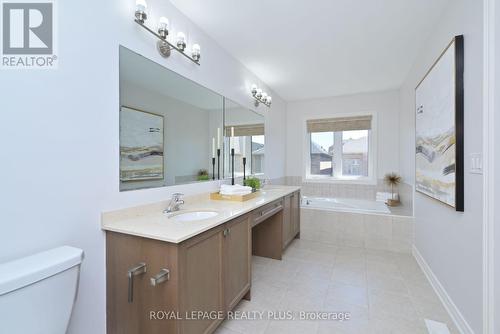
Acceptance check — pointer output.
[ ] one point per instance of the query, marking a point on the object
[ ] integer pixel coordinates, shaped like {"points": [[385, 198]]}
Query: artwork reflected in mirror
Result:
{"points": [[168, 126], [248, 140], [141, 146]]}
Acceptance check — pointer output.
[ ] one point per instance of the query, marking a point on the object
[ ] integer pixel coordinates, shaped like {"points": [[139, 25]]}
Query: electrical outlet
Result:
{"points": [[476, 163]]}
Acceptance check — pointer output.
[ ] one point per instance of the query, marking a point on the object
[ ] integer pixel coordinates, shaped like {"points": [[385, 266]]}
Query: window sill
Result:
{"points": [[336, 180]]}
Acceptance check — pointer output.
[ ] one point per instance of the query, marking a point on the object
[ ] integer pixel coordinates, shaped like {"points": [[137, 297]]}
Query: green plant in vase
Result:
{"points": [[252, 182], [203, 175]]}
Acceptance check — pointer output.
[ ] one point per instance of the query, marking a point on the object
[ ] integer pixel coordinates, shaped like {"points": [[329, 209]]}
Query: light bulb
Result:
{"points": [[196, 52], [181, 36], [140, 10], [269, 100], [163, 27], [163, 23], [258, 94], [181, 40], [264, 96], [141, 5]]}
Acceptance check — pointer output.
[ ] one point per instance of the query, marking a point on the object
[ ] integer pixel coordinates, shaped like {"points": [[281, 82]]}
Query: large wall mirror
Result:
{"points": [[168, 125], [248, 142]]}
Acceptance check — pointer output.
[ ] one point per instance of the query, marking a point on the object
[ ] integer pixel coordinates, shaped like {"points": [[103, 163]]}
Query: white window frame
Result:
{"points": [[372, 152]]}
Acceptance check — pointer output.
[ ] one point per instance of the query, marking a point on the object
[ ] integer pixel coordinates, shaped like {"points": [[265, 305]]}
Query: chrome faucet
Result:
{"points": [[175, 203]]}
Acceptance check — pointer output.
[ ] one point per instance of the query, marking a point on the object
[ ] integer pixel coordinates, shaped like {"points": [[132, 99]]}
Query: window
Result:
{"points": [[339, 148]]}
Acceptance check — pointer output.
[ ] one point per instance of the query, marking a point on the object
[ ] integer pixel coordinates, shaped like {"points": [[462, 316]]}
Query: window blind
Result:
{"points": [[339, 124], [246, 130]]}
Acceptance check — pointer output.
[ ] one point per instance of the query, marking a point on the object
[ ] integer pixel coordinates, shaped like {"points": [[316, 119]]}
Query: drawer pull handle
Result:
{"points": [[138, 269], [162, 276]]}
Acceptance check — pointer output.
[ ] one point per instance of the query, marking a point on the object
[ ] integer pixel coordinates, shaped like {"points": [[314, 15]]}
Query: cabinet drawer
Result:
{"points": [[267, 211]]}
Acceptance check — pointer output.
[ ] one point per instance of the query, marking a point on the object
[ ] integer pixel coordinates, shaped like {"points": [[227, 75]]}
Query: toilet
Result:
{"points": [[37, 292]]}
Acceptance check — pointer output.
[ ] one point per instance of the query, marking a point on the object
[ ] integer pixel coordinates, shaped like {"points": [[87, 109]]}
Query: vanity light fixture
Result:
{"points": [[261, 97], [164, 45]]}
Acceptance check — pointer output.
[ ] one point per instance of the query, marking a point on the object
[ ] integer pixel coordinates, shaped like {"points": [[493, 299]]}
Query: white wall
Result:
{"points": [[451, 242], [496, 152], [59, 137], [385, 104]]}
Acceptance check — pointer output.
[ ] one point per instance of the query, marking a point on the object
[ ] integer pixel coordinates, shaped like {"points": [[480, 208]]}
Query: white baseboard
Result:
{"points": [[448, 304]]}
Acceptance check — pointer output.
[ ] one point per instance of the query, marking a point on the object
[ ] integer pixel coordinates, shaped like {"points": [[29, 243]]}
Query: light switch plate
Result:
{"points": [[476, 163]]}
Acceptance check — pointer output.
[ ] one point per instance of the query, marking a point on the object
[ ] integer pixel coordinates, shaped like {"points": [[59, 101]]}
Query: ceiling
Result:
{"points": [[307, 49]]}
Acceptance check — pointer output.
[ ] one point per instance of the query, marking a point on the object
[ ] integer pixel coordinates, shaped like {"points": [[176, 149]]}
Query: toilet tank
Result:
{"points": [[37, 293]]}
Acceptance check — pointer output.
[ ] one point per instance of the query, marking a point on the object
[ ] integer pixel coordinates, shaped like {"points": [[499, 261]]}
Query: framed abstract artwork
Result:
{"points": [[439, 121], [141, 145]]}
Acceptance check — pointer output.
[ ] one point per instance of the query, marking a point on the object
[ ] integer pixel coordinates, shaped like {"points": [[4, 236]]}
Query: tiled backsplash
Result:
{"points": [[370, 231], [360, 191]]}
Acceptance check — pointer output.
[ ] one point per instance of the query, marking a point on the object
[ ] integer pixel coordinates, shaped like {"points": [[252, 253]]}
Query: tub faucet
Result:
{"points": [[175, 202]]}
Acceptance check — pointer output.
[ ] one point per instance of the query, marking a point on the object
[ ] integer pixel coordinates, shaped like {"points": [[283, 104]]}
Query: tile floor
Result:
{"points": [[384, 292]]}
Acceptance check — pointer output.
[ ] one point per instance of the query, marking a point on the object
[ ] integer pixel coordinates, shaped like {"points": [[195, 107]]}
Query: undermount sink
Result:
{"points": [[193, 216]]}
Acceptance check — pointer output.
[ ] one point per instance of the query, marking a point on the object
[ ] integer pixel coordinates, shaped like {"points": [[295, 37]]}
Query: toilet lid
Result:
{"points": [[19, 273]]}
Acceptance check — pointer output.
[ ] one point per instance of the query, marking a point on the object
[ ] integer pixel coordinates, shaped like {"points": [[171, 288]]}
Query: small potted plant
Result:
{"points": [[392, 180], [203, 175], [252, 182]]}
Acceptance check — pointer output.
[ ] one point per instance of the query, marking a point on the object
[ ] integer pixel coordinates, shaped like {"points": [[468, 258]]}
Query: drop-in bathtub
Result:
{"points": [[345, 205]]}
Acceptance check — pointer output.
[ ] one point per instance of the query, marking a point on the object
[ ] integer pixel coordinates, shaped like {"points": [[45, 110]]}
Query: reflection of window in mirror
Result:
{"points": [[248, 142], [252, 148], [257, 154]]}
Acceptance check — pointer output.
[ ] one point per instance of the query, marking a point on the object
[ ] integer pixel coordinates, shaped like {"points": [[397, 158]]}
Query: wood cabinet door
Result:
{"points": [[295, 212], [134, 316], [287, 220], [201, 281], [237, 260]]}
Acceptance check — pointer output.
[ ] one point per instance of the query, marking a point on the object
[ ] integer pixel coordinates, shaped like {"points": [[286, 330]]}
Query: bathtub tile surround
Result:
{"points": [[367, 231], [351, 190]]}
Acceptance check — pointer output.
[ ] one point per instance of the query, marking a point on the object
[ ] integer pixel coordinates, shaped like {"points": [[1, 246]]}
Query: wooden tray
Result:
{"points": [[237, 198]]}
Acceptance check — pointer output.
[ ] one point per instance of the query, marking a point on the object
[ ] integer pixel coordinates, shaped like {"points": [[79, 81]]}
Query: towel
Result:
{"points": [[237, 189]]}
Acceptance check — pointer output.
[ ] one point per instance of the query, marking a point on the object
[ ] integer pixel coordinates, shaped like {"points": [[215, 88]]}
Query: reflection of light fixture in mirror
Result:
{"points": [[181, 41], [254, 90], [140, 10], [260, 96], [196, 52], [163, 27]]}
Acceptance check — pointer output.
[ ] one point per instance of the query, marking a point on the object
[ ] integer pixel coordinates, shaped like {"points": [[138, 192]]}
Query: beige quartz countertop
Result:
{"points": [[149, 221]]}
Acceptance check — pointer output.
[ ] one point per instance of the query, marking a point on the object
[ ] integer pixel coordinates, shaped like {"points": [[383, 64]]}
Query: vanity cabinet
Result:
{"points": [[187, 287], [291, 218], [208, 273]]}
